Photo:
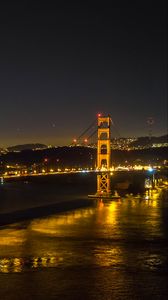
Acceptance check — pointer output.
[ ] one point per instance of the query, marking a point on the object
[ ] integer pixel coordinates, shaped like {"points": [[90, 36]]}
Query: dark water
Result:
{"points": [[107, 250]]}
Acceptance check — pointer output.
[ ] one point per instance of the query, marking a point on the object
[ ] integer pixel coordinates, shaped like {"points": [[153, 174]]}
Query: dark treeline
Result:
{"points": [[69, 157]]}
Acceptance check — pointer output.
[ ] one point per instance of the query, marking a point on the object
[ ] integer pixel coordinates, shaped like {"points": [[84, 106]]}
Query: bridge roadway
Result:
{"points": [[47, 173]]}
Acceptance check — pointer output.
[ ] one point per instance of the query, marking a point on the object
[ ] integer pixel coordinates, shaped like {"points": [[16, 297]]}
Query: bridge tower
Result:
{"points": [[103, 155]]}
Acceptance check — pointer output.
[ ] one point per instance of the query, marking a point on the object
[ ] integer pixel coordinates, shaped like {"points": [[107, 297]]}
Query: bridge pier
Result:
{"points": [[103, 184]]}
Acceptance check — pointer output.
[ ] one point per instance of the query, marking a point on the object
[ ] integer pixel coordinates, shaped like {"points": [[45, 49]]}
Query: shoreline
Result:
{"points": [[43, 211]]}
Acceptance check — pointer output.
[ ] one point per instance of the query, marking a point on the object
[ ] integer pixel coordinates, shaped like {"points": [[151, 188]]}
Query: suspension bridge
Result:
{"points": [[101, 127]]}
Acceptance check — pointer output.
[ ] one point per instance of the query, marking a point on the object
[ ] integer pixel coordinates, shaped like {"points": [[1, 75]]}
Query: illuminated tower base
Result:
{"points": [[103, 185]]}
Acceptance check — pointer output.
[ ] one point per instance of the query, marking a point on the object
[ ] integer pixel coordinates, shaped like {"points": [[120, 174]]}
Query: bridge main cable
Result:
{"points": [[87, 129]]}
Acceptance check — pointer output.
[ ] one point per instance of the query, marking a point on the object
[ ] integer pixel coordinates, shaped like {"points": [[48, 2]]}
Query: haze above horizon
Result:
{"points": [[62, 63]]}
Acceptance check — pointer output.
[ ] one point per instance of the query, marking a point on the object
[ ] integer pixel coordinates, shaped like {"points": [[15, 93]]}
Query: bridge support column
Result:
{"points": [[103, 156]]}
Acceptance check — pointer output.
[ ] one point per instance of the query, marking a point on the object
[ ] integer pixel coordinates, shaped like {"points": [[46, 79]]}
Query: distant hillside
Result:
{"points": [[26, 147], [143, 141]]}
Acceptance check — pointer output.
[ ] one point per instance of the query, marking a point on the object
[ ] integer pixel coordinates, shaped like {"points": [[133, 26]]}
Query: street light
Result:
{"points": [[152, 171]]}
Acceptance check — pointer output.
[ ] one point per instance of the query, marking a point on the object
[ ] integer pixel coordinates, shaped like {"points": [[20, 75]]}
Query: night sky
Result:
{"points": [[62, 62]]}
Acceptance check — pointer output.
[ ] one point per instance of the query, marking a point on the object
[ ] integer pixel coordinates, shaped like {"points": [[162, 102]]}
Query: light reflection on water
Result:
{"points": [[103, 229], [125, 238]]}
